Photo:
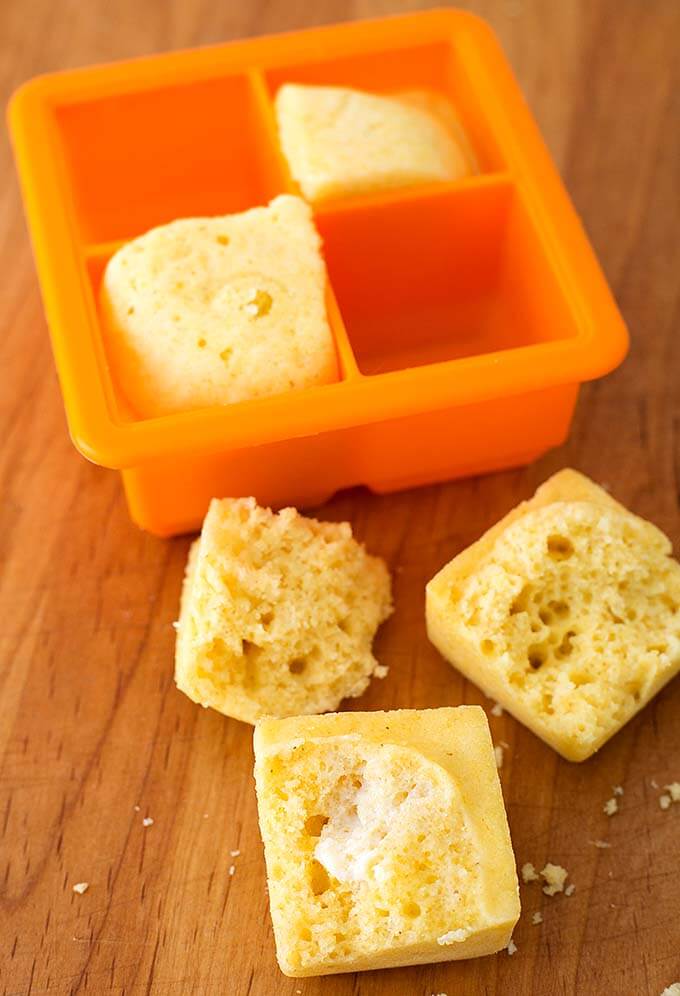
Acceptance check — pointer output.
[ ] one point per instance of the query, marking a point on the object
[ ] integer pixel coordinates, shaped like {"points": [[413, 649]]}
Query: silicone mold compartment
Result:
{"points": [[465, 315], [141, 159], [441, 276]]}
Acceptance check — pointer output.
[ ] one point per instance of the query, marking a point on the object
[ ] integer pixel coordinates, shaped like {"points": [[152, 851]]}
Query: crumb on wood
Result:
{"points": [[81, 887], [555, 877], [529, 873], [611, 806]]}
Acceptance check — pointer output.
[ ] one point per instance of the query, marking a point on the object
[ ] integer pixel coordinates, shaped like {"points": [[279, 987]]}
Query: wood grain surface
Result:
{"points": [[93, 735]]}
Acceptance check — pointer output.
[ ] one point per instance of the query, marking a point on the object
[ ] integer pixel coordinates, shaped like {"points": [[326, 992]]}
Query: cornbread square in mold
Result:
{"points": [[213, 311], [339, 141]]}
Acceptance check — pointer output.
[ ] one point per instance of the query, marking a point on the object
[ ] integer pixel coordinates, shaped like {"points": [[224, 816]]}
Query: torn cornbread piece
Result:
{"points": [[339, 141], [278, 613], [567, 612], [385, 838], [211, 311]]}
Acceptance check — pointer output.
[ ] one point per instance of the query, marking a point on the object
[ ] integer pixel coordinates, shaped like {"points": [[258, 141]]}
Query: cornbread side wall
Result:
{"points": [[567, 612], [386, 839], [339, 141], [211, 311], [278, 613]]}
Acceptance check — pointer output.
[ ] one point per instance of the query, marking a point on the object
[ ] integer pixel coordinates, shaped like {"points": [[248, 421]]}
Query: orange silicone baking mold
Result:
{"points": [[465, 314]]}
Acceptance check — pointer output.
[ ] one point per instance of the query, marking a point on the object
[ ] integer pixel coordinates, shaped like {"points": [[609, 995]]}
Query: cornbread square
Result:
{"points": [[339, 141], [211, 311], [385, 839], [567, 612], [278, 613]]}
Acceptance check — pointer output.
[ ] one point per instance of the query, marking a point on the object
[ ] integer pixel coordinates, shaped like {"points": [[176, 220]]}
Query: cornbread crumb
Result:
{"points": [[653, 783], [81, 887], [147, 821], [341, 142], [555, 876], [665, 801], [617, 789], [600, 843], [570, 889], [498, 754], [674, 791], [136, 808], [385, 839], [529, 873], [537, 918], [512, 947], [566, 612], [497, 709], [611, 806], [454, 936], [232, 869], [278, 613], [191, 321], [235, 854]]}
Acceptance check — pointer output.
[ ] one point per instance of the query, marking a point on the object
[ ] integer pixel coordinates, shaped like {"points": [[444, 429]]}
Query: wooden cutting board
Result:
{"points": [[91, 726]]}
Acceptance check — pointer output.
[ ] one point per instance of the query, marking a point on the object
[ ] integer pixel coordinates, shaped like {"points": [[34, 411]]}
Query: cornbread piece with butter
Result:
{"points": [[211, 311], [385, 839], [278, 613], [567, 612], [339, 141]]}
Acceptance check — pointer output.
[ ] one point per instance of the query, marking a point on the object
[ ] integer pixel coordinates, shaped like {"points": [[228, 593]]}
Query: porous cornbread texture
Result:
{"points": [[278, 613], [210, 311], [339, 141], [567, 612], [385, 838]]}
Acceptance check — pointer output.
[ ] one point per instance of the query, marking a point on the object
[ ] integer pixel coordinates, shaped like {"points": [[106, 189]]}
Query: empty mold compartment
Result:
{"points": [[442, 276], [139, 159], [434, 66]]}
